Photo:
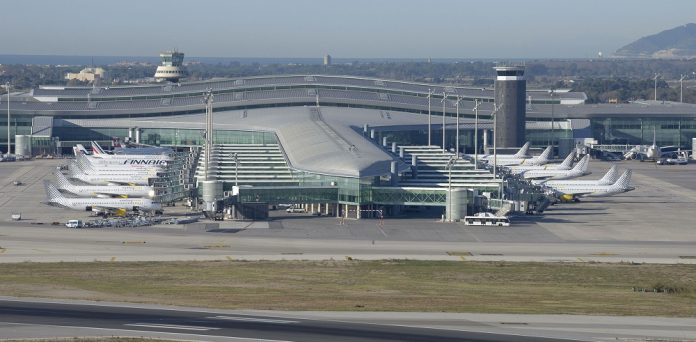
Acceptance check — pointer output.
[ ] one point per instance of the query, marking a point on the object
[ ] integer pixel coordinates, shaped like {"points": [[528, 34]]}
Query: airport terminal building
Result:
{"points": [[341, 143]]}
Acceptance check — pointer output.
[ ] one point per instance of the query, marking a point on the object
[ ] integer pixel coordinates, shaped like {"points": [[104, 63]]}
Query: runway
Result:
{"points": [[105, 320]]}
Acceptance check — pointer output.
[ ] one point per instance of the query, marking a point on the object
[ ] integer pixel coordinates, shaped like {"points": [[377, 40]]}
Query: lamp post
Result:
{"points": [[552, 93], [444, 103], [459, 99], [655, 79], [450, 163], [208, 101], [495, 137], [9, 138], [235, 158], [430, 95], [476, 107]]}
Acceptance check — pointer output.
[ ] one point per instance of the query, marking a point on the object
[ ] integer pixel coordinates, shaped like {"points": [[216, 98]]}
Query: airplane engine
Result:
{"points": [[88, 208]]}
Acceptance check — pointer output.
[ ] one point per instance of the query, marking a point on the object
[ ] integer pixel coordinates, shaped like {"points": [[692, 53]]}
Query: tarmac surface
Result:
{"points": [[653, 223], [36, 318]]}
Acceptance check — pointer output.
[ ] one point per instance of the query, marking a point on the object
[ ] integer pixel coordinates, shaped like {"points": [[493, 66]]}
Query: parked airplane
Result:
{"points": [[98, 152], [521, 154], [567, 164], [110, 178], [103, 190], [99, 205], [95, 165], [542, 159], [580, 169], [609, 178], [572, 192]]}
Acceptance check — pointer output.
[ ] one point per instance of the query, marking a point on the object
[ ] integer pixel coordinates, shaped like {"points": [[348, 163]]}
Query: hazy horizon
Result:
{"points": [[359, 29]]}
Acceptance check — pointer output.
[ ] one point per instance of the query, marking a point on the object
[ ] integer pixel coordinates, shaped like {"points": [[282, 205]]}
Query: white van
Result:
{"points": [[74, 224]]}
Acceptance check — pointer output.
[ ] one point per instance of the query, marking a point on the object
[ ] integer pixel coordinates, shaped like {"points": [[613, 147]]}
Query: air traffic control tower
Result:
{"points": [[510, 93], [171, 68]]}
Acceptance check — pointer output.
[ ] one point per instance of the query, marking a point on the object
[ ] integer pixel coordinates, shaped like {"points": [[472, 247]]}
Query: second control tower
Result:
{"points": [[510, 92]]}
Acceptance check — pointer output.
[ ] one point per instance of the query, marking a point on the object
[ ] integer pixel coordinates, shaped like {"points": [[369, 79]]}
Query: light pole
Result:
{"points": [[235, 158], [655, 79], [444, 103], [476, 107], [459, 99], [495, 137], [208, 101], [9, 138], [430, 95], [450, 163], [552, 93], [681, 87]]}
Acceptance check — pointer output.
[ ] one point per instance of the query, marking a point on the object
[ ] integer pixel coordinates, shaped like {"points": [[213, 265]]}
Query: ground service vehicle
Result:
{"points": [[486, 219]]}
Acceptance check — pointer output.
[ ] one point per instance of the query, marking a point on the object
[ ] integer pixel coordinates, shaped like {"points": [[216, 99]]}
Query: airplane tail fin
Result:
{"points": [[582, 164], [96, 149], [568, 161], [611, 176], [61, 180], [79, 149], [624, 182], [52, 192], [523, 151], [544, 156]]}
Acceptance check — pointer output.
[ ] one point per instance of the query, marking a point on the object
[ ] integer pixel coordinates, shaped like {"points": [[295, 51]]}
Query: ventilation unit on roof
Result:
{"points": [[167, 88], [238, 96], [166, 101], [383, 96], [238, 82], [379, 83], [310, 79], [312, 92], [92, 105], [450, 90]]}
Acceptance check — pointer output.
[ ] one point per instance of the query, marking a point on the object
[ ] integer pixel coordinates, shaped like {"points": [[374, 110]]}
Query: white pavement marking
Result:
{"points": [[112, 330], [171, 326], [252, 319]]}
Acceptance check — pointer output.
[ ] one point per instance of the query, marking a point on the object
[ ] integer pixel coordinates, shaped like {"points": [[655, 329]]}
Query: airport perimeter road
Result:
{"points": [[33, 319]]}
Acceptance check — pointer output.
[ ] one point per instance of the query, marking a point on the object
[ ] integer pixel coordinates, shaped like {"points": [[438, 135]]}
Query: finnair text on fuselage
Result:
{"points": [[144, 162]]}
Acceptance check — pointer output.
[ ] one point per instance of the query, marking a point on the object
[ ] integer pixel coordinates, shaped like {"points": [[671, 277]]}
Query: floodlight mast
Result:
{"points": [[208, 101], [476, 107], [681, 87], [655, 79], [494, 114], [459, 99], [430, 94], [444, 103], [9, 138]]}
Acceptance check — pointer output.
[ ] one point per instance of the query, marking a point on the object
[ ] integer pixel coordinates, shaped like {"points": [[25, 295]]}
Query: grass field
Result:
{"points": [[492, 287]]}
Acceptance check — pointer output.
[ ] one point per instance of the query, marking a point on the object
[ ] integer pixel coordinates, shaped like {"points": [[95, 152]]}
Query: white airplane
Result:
{"points": [[98, 152], [609, 178], [580, 169], [118, 206], [110, 178], [542, 159], [95, 165], [521, 154], [102, 191], [133, 161], [567, 164], [570, 192]]}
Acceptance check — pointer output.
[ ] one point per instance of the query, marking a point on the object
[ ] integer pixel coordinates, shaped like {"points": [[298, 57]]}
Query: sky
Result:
{"points": [[345, 29]]}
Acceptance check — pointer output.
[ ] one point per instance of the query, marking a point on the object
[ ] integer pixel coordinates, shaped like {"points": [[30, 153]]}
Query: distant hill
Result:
{"points": [[678, 42]]}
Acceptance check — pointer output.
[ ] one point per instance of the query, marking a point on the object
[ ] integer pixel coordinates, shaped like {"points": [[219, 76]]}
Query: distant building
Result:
{"points": [[171, 69], [87, 75], [327, 59]]}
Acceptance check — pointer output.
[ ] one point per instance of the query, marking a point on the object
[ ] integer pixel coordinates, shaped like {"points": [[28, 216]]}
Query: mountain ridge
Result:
{"points": [[677, 42]]}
